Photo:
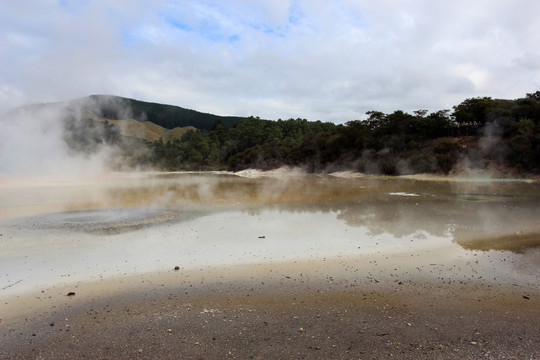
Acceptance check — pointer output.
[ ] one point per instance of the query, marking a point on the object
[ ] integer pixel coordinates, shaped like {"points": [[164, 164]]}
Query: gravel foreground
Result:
{"points": [[254, 316]]}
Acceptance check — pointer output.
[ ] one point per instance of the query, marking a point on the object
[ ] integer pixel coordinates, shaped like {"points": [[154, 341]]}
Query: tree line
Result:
{"points": [[480, 130]]}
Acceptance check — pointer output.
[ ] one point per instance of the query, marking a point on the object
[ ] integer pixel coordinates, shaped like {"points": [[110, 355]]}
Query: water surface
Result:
{"points": [[128, 223]]}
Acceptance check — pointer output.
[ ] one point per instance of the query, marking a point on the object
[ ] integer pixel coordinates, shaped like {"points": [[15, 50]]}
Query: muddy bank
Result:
{"points": [[277, 312]]}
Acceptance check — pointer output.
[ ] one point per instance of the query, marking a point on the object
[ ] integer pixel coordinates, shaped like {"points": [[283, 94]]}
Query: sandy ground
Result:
{"points": [[324, 309]]}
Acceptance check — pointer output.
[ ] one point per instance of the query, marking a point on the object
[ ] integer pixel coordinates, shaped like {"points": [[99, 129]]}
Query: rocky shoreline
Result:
{"points": [[277, 311]]}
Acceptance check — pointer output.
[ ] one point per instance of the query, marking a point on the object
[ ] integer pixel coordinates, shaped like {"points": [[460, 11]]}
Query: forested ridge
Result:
{"points": [[479, 132], [167, 116]]}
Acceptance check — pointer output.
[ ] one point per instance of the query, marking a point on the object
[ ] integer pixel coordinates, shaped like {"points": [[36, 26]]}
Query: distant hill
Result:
{"points": [[132, 118], [166, 116], [112, 107]]}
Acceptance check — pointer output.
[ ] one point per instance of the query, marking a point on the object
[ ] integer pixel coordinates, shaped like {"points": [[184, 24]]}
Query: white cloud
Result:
{"points": [[314, 59]]}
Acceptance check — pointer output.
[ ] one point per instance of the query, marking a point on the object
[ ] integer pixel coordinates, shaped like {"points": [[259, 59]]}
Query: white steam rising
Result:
{"points": [[34, 142]]}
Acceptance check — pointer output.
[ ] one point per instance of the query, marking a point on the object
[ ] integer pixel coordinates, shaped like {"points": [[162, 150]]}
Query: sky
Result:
{"points": [[319, 60]]}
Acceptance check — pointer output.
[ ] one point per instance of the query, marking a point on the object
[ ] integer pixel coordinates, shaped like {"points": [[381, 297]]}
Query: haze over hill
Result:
{"points": [[167, 116], [99, 132], [120, 108], [54, 137]]}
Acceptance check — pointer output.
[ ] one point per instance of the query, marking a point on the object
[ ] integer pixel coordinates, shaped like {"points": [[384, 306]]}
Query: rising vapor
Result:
{"points": [[57, 140]]}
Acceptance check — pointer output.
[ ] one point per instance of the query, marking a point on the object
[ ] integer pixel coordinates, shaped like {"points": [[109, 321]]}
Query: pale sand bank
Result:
{"points": [[336, 308]]}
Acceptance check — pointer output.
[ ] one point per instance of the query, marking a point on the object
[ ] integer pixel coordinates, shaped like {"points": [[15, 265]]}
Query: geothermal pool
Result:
{"points": [[55, 232]]}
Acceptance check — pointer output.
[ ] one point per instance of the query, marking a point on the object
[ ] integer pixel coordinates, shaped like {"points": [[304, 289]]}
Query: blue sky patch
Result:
{"points": [[176, 23]]}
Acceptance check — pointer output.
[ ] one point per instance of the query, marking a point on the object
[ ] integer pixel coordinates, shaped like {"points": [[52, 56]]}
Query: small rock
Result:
{"points": [[526, 297], [177, 268], [262, 237], [71, 293]]}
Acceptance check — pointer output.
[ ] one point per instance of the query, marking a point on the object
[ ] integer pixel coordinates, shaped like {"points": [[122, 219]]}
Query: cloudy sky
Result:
{"points": [[320, 60]]}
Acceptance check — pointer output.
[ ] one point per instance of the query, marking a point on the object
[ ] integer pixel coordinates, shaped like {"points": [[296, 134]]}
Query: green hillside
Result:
{"points": [[167, 116]]}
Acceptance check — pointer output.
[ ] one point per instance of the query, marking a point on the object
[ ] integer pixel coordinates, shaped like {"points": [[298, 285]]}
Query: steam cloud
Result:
{"points": [[56, 140]]}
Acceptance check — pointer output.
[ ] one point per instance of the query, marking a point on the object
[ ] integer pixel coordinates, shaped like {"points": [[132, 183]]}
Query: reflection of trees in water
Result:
{"points": [[466, 210], [464, 220], [401, 217], [223, 190], [491, 223]]}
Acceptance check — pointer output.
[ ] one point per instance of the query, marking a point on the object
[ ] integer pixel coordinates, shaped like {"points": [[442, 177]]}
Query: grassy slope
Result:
{"points": [[147, 130], [144, 130]]}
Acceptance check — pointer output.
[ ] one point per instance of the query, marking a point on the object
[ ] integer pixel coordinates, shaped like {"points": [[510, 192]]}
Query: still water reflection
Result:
{"points": [[125, 223], [476, 214]]}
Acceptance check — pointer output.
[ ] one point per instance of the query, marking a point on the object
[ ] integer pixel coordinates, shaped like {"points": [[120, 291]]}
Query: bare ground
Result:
{"points": [[255, 316]]}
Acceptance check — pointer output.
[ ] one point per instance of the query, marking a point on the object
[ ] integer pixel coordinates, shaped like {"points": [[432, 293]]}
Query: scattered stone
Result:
{"points": [[526, 297], [177, 268], [262, 237], [52, 324], [71, 293]]}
